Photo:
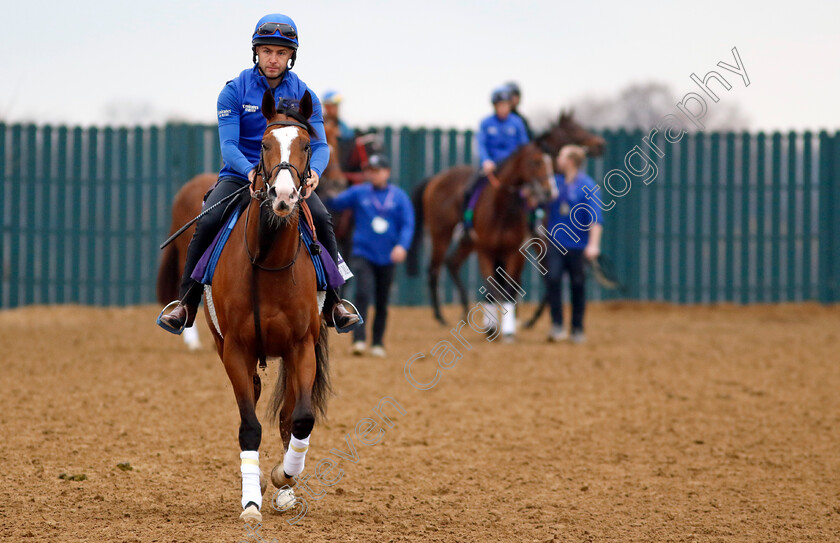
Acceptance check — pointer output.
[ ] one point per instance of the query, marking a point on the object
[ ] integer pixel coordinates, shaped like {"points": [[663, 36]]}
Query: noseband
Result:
{"points": [[267, 176]]}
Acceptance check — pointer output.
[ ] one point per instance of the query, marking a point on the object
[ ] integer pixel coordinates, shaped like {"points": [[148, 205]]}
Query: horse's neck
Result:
{"points": [[509, 172], [269, 244]]}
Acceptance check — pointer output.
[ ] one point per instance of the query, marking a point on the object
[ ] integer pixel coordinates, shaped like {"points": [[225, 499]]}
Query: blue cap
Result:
{"points": [[501, 94], [332, 97]]}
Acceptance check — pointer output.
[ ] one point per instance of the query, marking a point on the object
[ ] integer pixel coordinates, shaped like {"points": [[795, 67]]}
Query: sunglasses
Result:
{"points": [[286, 30]]}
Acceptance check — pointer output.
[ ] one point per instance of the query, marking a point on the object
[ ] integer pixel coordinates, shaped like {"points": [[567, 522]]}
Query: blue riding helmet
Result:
{"points": [[501, 94], [275, 29], [331, 97], [513, 88]]}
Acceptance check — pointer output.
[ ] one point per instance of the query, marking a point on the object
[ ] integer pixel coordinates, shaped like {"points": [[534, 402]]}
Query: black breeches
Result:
{"points": [[205, 230]]}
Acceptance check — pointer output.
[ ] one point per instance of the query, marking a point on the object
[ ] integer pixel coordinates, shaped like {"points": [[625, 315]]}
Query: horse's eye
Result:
{"points": [[264, 147]]}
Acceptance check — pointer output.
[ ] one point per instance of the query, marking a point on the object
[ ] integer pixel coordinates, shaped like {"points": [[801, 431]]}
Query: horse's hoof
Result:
{"points": [[251, 515], [279, 479], [263, 483], [508, 338], [284, 500]]}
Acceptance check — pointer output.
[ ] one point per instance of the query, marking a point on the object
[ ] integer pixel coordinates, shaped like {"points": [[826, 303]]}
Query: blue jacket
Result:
{"points": [[345, 132], [559, 211], [368, 203], [241, 124], [498, 139]]}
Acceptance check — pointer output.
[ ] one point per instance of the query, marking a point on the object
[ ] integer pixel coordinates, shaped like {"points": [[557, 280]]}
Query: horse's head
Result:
{"points": [[285, 155], [567, 130], [534, 177]]}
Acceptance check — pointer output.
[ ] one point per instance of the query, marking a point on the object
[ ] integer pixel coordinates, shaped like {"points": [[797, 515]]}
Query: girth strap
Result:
{"points": [[255, 302]]}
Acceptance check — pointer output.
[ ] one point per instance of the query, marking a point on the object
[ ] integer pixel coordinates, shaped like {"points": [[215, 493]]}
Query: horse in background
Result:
{"points": [[186, 205], [500, 210]]}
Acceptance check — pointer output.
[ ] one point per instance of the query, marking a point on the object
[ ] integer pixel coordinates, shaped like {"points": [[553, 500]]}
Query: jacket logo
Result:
{"points": [[249, 108]]}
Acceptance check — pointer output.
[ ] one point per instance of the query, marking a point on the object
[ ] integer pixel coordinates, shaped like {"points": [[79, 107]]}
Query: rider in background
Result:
{"points": [[332, 102], [384, 229], [585, 246], [499, 135], [536, 215], [274, 46], [516, 98]]}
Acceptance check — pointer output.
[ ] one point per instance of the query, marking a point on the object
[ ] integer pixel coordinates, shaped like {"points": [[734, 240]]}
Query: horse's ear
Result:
{"points": [[269, 110], [306, 105]]}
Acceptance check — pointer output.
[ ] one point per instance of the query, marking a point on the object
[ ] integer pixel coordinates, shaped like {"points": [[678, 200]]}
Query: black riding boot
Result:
{"points": [[335, 313]]}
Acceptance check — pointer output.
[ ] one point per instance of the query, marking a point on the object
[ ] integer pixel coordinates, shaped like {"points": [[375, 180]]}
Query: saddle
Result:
{"points": [[330, 274]]}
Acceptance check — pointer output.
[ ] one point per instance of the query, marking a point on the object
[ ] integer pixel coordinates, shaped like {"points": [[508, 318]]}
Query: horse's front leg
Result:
{"points": [[514, 264], [297, 419], [454, 261], [241, 368]]}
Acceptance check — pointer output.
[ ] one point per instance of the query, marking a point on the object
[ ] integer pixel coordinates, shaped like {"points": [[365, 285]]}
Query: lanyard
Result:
{"points": [[383, 207]]}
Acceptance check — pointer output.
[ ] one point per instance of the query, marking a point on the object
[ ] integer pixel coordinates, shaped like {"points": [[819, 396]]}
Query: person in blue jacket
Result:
{"points": [[332, 102], [567, 215], [384, 228], [516, 98], [274, 46], [499, 135]]}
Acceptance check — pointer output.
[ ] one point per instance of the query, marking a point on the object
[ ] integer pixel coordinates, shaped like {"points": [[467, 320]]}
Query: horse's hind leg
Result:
{"points": [[241, 370]]}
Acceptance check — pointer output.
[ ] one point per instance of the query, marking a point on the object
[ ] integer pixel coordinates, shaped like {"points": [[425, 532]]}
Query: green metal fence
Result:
{"points": [[730, 217]]}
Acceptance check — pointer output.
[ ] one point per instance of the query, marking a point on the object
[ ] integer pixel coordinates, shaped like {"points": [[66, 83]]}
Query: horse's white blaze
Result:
{"points": [[284, 183]]}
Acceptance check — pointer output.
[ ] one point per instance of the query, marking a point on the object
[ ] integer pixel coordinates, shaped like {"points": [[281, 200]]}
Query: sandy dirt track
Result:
{"points": [[672, 423]]}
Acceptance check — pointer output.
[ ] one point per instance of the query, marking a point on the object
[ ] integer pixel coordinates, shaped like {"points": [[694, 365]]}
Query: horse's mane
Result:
{"points": [[297, 116]]}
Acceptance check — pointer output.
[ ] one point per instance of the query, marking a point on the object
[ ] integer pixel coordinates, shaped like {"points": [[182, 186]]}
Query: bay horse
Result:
{"points": [[264, 277], [500, 216], [185, 206]]}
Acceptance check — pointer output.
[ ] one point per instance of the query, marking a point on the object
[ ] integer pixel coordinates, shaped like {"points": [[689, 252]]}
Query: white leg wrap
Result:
{"points": [[191, 337], [509, 319], [491, 315], [251, 491], [295, 457]]}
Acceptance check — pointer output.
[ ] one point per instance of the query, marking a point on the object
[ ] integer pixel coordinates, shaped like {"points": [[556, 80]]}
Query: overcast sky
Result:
{"points": [[429, 63]]}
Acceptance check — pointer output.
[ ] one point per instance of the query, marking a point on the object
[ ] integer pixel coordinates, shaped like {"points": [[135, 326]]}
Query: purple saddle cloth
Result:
{"points": [[326, 268]]}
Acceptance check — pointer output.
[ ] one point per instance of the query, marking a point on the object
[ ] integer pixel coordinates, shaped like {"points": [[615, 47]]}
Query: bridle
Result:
{"points": [[262, 197], [262, 194], [534, 185]]}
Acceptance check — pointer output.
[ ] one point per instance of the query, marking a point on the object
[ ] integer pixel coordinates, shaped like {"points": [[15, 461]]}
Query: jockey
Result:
{"points": [[332, 100], [274, 45], [499, 135], [516, 97]]}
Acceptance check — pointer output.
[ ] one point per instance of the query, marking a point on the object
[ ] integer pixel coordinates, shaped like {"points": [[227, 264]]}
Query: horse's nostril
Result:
{"points": [[272, 193]]}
